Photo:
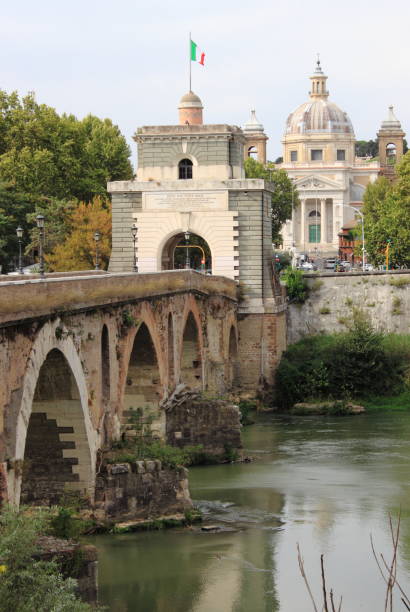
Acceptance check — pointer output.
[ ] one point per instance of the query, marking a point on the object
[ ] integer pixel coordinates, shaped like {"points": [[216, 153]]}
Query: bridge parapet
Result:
{"points": [[35, 298]]}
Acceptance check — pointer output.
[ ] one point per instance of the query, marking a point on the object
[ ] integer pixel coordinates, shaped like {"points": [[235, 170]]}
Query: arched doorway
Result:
{"points": [[186, 250], [143, 385], [57, 456], [191, 362]]}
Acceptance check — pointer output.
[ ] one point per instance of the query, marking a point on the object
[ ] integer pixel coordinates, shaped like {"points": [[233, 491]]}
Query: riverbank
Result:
{"points": [[399, 402]]}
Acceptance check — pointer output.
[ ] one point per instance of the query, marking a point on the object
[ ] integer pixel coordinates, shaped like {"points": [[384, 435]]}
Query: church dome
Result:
{"points": [[318, 115]]}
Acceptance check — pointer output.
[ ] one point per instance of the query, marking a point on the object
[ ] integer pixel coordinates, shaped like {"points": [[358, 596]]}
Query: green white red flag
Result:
{"points": [[197, 55]]}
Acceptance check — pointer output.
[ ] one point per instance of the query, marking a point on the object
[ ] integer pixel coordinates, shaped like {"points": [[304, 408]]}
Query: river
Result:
{"points": [[326, 483]]}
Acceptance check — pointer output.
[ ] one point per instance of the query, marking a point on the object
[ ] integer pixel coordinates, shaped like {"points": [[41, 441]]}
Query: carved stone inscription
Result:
{"points": [[186, 200]]}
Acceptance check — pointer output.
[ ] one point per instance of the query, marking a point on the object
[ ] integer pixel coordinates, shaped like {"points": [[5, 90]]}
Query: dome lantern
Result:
{"points": [[318, 79]]}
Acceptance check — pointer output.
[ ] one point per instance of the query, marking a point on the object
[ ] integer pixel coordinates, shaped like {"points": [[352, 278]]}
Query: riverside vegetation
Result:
{"points": [[362, 364], [27, 582]]}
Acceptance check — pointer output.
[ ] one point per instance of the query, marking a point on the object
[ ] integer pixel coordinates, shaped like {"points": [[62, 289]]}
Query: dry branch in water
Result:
{"points": [[325, 604]]}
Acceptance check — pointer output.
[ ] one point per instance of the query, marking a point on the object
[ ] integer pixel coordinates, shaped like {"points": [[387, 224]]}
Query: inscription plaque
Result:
{"points": [[186, 200]]}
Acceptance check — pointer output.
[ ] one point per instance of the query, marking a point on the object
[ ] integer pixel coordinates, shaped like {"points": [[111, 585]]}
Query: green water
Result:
{"points": [[325, 483]]}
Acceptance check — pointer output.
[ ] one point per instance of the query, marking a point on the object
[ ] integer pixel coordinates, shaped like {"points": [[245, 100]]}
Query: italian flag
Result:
{"points": [[197, 55]]}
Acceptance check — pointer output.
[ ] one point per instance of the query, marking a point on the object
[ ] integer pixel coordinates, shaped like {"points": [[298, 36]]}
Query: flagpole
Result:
{"points": [[190, 62]]}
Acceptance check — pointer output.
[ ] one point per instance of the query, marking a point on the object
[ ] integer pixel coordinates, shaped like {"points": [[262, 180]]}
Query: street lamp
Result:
{"points": [[97, 237], [134, 231], [187, 262], [40, 225], [19, 232], [359, 212]]}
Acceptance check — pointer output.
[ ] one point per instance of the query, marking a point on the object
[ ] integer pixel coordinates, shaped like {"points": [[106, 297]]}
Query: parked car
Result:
{"points": [[306, 265], [330, 264], [368, 267]]}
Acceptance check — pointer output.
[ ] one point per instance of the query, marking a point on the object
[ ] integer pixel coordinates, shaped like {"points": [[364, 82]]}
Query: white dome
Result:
{"points": [[318, 115], [253, 125]]}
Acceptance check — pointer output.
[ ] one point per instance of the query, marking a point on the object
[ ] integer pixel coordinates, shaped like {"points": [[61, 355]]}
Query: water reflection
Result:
{"points": [[323, 483]]}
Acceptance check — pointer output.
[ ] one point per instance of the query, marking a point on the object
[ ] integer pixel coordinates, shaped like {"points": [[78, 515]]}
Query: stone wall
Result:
{"points": [[214, 424], [383, 296], [140, 490]]}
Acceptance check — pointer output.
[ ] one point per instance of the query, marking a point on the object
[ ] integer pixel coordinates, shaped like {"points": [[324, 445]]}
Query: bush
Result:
{"points": [[27, 584], [355, 363], [296, 285]]}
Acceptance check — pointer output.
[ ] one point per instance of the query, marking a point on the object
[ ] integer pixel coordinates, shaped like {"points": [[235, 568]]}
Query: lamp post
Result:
{"points": [[359, 212], [134, 231], [40, 225], [19, 232], [187, 262], [97, 237]]}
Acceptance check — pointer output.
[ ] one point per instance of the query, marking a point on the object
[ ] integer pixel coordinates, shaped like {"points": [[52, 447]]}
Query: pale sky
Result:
{"points": [[128, 60]]}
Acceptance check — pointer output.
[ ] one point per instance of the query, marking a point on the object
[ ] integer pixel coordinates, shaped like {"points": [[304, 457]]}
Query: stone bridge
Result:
{"points": [[78, 352]]}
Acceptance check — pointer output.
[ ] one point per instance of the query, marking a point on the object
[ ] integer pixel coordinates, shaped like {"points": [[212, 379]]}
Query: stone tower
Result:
{"points": [[191, 184], [391, 138], [256, 139], [190, 109]]}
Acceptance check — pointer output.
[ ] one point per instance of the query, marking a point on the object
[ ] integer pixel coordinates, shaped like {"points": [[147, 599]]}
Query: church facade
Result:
{"points": [[319, 157]]}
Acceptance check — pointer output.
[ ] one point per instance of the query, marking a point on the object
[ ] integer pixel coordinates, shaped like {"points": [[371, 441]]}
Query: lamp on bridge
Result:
{"points": [[40, 225], [134, 232], [187, 262], [19, 232], [97, 237]]}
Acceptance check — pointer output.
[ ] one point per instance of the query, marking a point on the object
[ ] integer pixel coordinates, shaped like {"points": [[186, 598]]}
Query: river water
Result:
{"points": [[327, 483]]}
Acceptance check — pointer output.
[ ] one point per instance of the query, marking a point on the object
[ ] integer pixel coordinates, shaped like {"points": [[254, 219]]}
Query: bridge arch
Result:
{"points": [[232, 356], [54, 403], [145, 373], [191, 348]]}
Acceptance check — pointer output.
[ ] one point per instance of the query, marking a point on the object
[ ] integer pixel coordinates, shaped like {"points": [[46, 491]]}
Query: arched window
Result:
{"points": [[314, 213], [253, 152], [391, 153], [185, 169]]}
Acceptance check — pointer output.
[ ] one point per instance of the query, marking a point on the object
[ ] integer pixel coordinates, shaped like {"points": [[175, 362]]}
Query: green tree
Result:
{"points": [[367, 148], [58, 156], [283, 198], [26, 583], [387, 217]]}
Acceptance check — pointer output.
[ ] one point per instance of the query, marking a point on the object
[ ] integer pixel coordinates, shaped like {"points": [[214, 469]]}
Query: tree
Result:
{"points": [[367, 148], [78, 250], [284, 196], [28, 584], [58, 156], [386, 212]]}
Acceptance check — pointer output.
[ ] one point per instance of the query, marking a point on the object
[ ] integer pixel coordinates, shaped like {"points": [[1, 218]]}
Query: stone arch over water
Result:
{"points": [[143, 389], [54, 446], [191, 370]]}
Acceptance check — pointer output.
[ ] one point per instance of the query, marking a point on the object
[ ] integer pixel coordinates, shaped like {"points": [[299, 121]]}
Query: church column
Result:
{"points": [[337, 221], [323, 221], [302, 224]]}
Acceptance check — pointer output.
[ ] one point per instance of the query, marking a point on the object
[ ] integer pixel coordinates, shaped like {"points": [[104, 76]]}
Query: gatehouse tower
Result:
{"points": [[193, 207]]}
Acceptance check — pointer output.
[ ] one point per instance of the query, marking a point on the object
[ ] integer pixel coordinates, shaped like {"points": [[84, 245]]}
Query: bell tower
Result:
{"points": [[318, 79], [256, 139], [391, 138]]}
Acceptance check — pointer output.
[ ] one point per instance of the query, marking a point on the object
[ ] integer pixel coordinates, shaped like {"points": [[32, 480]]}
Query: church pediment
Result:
{"points": [[314, 182]]}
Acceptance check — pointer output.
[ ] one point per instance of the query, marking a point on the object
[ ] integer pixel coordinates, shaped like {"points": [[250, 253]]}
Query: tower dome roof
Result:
{"points": [[253, 125], [391, 123], [318, 115], [190, 100]]}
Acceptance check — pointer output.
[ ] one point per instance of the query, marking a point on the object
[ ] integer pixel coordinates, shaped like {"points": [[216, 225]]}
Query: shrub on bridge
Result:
{"points": [[296, 285]]}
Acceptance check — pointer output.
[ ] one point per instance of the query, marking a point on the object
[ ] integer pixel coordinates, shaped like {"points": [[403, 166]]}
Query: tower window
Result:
{"points": [[253, 152], [185, 169], [341, 155], [316, 154], [293, 156]]}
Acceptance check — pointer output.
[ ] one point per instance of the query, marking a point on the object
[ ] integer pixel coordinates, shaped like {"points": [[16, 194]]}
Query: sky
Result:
{"points": [[128, 59]]}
